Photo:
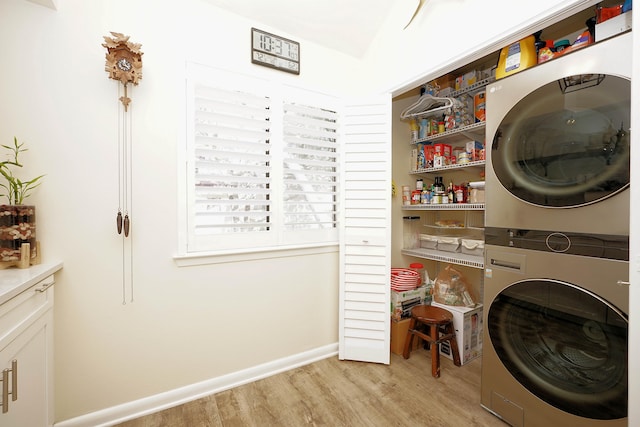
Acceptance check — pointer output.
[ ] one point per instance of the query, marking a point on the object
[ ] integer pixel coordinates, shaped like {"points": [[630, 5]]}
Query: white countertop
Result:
{"points": [[15, 280]]}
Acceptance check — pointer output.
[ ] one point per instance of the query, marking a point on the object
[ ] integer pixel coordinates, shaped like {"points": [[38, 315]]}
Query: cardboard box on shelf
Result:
{"points": [[429, 153], [399, 330], [403, 302], [467, 323], [469, 79], [442, 150], [479, 107], [473, 148], [414, 159]]}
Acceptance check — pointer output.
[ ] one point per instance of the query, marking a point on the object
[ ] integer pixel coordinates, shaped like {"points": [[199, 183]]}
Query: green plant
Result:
{"points": [[17, 190]]}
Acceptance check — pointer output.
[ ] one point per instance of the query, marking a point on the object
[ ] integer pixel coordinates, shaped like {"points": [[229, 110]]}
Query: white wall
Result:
{"points": [[186, 324]]}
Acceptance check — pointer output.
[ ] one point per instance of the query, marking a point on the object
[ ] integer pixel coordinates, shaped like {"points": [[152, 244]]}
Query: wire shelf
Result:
{"points": [[450, 257], [477, 163], [474, 131], [445, 206]]}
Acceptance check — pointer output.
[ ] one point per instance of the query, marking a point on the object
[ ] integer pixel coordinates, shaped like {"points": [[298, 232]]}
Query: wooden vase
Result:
{"points": [[18, 244]]}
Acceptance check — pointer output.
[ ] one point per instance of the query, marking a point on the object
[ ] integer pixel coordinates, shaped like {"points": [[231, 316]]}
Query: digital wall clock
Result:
{"points": [[274, 51]]}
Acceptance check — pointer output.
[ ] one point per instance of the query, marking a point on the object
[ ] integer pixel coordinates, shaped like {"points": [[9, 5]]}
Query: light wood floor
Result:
{"points": [[343, 393]]}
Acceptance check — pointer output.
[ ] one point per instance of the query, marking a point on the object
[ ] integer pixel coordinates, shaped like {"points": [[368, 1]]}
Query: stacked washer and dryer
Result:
{"points": [[557, 241]]}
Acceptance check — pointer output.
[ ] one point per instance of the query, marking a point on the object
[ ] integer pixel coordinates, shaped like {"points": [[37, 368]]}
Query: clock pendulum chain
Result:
{"points": [[123, 221], [129, 196], [119, 218], [126, 132]]}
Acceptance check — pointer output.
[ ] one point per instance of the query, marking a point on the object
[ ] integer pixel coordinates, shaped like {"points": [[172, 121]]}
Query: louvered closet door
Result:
{"points": [[366, 233]]}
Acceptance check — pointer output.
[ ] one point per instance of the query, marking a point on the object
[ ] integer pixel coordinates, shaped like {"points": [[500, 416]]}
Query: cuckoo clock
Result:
{"points": [[124, 62]]}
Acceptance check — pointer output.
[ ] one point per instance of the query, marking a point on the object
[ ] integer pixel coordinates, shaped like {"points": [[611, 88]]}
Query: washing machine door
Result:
{"points": [[564, 344], [566, 144]]}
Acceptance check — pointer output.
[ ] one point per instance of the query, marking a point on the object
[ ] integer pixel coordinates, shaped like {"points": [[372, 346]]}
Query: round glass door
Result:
{"points": [[566, 144], [564, 344]]}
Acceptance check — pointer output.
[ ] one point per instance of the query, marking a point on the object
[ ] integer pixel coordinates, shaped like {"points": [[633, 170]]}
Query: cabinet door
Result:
{"points": [[32, 351], [365, 251]]}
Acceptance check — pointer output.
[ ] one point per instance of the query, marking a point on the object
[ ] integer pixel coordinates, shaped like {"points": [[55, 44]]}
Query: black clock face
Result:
{"points": [[124, 64]]}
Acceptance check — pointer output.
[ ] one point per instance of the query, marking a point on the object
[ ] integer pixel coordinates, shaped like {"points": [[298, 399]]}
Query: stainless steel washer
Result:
{"points": [[555, 336]]}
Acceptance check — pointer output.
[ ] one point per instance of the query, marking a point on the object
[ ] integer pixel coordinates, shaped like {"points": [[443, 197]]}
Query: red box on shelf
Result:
{"points": [[442, 149], [429, 152]]}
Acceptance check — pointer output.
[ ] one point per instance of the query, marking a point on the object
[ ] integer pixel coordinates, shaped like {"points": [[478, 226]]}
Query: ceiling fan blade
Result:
{"points": [[419, 4]]}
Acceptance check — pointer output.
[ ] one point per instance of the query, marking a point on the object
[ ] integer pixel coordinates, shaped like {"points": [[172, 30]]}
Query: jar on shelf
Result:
{"points": [[411, 232], [422, 272], [415, 197], [406, 195]]}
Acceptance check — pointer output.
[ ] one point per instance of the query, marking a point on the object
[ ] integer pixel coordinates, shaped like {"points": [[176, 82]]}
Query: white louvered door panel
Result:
{"points": [[366, 232]]}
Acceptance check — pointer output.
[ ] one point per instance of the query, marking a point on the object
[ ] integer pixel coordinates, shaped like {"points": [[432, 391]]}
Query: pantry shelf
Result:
{"points": [[474, 88], [476, 163], [445, 206], [474, 131], [449, 257], [437, 227]]}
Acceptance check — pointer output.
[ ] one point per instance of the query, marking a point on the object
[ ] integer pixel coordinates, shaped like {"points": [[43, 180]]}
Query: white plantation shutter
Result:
{"points": [[232, 162], [365, 254], [310, 167], [262, 164]]}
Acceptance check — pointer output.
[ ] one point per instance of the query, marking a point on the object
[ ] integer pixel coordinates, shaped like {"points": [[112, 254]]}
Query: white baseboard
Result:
{"points": [[148, 405]]}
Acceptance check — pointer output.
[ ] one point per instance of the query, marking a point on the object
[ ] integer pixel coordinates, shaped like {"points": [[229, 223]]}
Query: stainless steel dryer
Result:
{"points": [[555, 335], [558, 143]]}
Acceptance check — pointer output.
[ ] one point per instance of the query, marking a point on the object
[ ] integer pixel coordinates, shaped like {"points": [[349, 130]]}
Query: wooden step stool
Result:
{"points": [[433, 319]]}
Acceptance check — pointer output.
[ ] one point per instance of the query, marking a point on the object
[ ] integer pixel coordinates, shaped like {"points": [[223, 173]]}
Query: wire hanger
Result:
{"points": [[427, 105]]}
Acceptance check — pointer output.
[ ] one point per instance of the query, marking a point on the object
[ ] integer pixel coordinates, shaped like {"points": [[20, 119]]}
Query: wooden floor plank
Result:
{"points": [[338, 393]]}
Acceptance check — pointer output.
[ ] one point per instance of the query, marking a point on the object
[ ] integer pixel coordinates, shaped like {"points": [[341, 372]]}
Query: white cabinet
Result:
{"points": [[26, 355]]}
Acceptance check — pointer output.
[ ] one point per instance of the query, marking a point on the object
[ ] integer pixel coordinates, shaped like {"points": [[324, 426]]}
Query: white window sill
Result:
{"points": [[220, 257]]}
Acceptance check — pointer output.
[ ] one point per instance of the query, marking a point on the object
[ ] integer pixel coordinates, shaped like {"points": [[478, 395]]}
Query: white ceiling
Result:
{"points": [[348, 26]]}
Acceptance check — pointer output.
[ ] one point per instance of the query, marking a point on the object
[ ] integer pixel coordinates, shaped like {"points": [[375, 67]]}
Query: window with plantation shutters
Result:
{"points": [[261, 164]]}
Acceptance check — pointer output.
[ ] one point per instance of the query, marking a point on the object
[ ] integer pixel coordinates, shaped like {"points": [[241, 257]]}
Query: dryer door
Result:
{"points": [[564, 344], [566, 143]]}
